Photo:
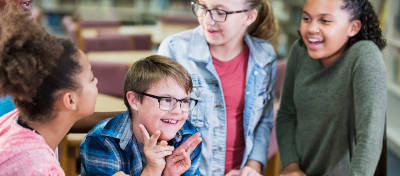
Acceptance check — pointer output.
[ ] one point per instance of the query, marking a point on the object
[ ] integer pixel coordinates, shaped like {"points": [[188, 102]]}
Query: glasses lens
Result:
{"points": [[198, 10], [218, 15], [167, 103], [188, 105]]}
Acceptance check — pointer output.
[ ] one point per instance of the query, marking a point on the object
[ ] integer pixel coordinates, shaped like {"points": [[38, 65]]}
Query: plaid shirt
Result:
{"points": [[111, 147]]}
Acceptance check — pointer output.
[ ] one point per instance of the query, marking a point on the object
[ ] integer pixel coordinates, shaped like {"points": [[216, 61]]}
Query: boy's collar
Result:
{"points": [[120, 127]]}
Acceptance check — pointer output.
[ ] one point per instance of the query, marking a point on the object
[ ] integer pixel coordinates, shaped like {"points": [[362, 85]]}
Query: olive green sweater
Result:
{"points": [[331, 120]]}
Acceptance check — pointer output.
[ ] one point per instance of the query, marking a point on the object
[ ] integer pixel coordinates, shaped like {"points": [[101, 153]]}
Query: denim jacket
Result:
{"points": [[191, 49]]}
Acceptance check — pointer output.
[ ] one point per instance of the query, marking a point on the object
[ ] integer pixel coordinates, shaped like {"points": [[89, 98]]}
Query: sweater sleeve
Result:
{"points": [[370, 95], [287, 115]]}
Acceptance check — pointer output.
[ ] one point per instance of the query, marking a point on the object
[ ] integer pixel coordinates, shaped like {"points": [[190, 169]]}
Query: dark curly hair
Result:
{"points": [[370, 26], [34, 66]]}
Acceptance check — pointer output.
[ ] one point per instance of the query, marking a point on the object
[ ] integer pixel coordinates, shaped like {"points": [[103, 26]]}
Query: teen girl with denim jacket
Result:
{"points": [[224, 37]]}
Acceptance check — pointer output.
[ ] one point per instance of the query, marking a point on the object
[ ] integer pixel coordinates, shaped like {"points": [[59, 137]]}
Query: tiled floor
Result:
{"points": [[393, 164]]}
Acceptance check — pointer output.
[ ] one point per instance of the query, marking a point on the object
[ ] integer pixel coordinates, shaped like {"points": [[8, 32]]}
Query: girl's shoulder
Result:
{"points": [[259, 45], [32, 162], [25, 153], [364, 51], [363, 47], [365, 55]]}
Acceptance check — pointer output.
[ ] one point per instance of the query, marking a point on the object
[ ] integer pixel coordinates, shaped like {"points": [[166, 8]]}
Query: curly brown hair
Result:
{"points": [[33, 64], [370, 26]]}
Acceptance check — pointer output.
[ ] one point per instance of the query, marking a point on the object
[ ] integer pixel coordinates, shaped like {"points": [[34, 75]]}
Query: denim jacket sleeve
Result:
{"points": [[263, 129], [165, 50]]}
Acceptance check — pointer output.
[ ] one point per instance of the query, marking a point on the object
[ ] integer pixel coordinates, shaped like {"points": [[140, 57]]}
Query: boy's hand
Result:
{"points": [[179, 162], [155, 154]]}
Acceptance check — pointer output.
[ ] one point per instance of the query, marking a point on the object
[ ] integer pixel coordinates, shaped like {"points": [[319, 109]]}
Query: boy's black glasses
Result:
{"points": [[169, 103], [216, 14]]}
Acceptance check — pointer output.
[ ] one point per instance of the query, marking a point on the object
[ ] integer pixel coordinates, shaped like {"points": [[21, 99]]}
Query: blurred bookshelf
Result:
{"points": [[391, 54], [127, 11]]}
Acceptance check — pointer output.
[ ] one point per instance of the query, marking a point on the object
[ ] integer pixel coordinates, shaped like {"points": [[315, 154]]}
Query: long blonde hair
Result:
{"points": [[265, 26]]}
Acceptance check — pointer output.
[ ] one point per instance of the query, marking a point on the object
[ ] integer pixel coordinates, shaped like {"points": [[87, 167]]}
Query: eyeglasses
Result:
{"points": [[169, 103], [216, 14]]}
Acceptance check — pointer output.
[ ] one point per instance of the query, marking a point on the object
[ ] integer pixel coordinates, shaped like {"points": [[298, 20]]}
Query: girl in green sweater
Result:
{"points": [[332, 114]]}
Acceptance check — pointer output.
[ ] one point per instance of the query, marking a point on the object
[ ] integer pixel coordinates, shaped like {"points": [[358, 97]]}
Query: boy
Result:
{"points": [[157, 95]]}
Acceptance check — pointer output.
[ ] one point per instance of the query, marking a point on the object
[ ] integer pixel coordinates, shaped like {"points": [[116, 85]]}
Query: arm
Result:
{"points": [[370, 95], [98, 159], [263, 129], [165, 49], [287, 114], [86, 124]]}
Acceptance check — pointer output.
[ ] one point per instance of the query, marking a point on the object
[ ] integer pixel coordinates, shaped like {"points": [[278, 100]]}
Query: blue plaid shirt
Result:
{"points": [[111, 147]]}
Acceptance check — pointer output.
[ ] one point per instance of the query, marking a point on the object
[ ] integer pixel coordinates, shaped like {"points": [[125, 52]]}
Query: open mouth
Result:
{"points": [[212, 31], [170, 121], [26, 4], [315, 41]]}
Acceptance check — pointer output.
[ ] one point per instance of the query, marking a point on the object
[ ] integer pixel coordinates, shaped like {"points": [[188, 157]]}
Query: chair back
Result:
{"points": [[111, 77], [108, 43]]}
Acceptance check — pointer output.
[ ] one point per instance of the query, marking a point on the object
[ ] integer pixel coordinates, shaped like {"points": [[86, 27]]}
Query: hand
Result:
{"points": [[120, 173], [155, 154], [179, 162], [292, 169], [245, 171]]}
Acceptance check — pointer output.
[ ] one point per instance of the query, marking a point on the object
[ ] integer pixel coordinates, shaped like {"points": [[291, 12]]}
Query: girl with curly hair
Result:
{"points": [[332, 114], [52, 86]]}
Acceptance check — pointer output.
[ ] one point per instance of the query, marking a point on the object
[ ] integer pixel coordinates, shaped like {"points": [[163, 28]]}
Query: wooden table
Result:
{"points": [[107, 103], [128, 57]]}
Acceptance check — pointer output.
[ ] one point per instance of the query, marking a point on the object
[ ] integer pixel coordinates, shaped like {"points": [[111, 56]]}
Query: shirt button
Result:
{"points": [[248, 92], [255, 72]]}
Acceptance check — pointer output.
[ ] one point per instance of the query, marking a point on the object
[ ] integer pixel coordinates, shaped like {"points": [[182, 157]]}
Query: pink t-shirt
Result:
{"points": [[233, 79], [24, 152]]}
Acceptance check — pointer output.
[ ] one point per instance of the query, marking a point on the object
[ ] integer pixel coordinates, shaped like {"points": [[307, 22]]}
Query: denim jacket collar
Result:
{"points": [[199, 49]]}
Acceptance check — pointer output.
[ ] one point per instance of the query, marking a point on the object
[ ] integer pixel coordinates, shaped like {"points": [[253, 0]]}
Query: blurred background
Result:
{"points": [[116, 33]]}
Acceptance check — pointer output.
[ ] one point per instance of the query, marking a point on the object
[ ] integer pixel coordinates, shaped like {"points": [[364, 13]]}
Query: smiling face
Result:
{"points": [[153, 118], [232, 30], [325, 29], [25, 4]]}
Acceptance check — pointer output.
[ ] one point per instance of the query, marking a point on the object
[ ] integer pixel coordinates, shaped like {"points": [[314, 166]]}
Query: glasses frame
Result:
{"points": [[209, 10], [177, 100]]}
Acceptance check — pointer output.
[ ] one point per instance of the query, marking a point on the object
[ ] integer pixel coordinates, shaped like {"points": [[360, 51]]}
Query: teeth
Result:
{"points": [[170, 121], [314, 40]]}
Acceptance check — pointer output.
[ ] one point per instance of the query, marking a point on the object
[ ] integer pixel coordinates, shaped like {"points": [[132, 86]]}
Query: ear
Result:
{"points": [[355, 27], [69, 101], [251, 17], [132, 100]]}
